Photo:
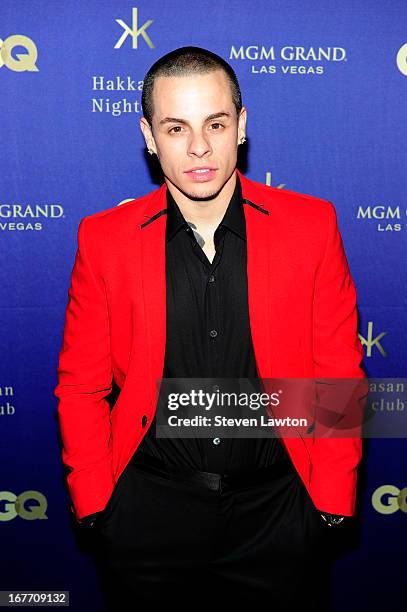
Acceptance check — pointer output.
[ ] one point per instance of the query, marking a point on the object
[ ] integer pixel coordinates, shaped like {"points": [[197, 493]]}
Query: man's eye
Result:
{"points": [[177, 128]]}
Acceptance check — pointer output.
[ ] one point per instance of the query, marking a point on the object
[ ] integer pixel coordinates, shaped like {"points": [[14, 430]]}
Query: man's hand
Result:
{"points": [[89, 521], [332, 520]]}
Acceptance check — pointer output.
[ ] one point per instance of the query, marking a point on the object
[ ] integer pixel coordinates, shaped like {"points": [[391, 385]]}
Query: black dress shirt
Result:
{"points": [[208, 335]]}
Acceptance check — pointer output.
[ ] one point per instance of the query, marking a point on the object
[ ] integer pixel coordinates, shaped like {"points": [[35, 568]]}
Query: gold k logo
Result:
{"points": [[25, 62], [370, 342], [134, 32], [268, 181]]}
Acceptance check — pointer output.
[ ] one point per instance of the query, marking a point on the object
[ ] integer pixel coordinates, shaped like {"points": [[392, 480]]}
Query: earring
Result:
{"points": [[242, 140], [151, 152]]}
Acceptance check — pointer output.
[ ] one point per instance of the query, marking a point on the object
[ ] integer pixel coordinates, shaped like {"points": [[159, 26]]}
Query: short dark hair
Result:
{"points": [[185, 61]]}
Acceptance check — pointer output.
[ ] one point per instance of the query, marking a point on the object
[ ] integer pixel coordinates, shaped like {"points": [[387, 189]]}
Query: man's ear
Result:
{"points": [[148, 135], [241, 129]]}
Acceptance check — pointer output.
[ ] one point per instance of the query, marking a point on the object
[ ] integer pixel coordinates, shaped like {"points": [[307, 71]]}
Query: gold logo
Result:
{"points": [[401, 59], [17, 505], [268, 181], [134, 31], [23, 62], [125, 201], [370, 342], [397, 499]]}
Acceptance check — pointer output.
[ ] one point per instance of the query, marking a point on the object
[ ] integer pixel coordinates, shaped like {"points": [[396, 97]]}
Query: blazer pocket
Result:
{"points": [[112, 501]]}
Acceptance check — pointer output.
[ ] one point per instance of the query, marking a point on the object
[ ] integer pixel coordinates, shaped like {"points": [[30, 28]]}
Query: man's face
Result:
{"points": [[195, 126]]}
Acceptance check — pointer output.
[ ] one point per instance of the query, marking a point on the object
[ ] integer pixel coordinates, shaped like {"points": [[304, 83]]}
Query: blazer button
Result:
{"points": [[144, 420]]}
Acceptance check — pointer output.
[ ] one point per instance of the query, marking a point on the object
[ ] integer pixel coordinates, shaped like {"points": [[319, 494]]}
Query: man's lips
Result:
{"points": [[201, 173], [201, 169]]}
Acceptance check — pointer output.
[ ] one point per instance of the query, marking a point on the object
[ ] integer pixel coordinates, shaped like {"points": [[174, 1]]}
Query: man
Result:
{"points": [[211, 275]]}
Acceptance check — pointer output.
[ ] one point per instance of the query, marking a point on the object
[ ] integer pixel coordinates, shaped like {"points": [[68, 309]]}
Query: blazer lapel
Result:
{"points": [[154, 282], [258, 275]]}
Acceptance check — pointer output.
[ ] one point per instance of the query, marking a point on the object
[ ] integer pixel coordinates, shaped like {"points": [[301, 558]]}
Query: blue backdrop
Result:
{"points": [[324, 83]]}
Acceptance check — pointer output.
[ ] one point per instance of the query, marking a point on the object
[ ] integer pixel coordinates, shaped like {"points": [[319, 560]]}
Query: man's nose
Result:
{"points": [[199, 145]]}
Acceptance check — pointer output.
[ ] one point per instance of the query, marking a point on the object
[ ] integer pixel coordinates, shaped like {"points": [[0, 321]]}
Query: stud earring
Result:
{"points": [[242, 140]]}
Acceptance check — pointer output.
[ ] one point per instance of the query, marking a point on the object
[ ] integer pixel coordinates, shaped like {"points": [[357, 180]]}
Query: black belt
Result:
{"points": [[211, 480]]}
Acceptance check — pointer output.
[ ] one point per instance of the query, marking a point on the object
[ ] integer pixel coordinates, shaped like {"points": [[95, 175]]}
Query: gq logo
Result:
{"points": [[402, 59], [22, 62], [12, 505], [387, 499]]}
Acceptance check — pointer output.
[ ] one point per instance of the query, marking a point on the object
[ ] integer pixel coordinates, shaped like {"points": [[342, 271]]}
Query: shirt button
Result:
{"points": [[211, 278], [213, 333], [216, 441]]}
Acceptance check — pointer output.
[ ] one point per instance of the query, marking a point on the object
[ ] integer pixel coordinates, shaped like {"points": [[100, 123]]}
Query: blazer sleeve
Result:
{"points": [[84, 380], [337, 353]]}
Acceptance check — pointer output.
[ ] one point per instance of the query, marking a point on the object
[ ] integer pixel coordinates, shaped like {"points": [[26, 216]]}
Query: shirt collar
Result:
{"points": [[233, 218]]}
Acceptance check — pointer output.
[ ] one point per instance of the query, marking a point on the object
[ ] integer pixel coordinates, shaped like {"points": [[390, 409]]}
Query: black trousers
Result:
{"points": [[205, 542]]}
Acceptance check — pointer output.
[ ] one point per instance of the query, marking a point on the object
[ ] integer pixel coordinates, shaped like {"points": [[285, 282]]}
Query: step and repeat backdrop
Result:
{"points": [[325, 87]]}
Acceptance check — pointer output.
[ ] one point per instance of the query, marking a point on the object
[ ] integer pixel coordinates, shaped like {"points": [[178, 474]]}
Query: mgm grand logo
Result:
{"points": [[23, 217], [385, 218], [289, 59]]}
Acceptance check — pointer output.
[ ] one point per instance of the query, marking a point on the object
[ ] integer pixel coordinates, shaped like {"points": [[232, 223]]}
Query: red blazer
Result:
{"points": [[303, 318]]}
